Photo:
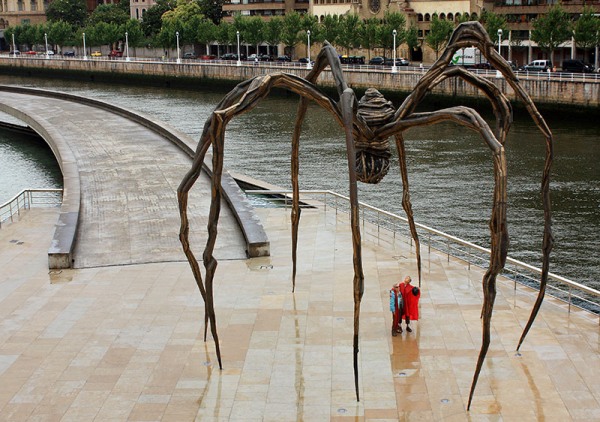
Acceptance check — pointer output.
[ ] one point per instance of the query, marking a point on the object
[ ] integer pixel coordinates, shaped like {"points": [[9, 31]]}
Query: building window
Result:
{"points": [[420, 17], [427, 17], [20, 6]]}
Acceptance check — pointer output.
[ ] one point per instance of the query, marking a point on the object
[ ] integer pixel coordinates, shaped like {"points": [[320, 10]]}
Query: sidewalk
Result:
{"points": [[124, 343]]}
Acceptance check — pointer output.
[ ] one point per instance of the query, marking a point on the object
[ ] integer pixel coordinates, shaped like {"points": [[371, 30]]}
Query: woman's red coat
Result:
{"points": [[411, 302]]}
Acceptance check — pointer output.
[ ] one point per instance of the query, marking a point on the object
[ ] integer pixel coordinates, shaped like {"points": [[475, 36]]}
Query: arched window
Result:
{"points": [[473, 16], [450, 17], [427, 17], [137, 13], [442, 16], [420, 17]]}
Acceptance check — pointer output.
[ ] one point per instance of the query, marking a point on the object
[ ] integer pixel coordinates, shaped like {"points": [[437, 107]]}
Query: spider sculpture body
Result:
{"points": [[368, 124]]}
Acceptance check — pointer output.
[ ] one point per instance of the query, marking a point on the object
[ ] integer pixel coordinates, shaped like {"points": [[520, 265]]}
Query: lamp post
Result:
{"points": [[177, 35], [394, 68], [126, 47], [46, 40], [239, 62], [498, 74], [308, 65], [84, 50], [14, 47]]}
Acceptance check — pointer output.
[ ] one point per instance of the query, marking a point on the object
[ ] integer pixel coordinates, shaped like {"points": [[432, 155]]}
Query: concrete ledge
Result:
{"points": [[60, 253], [257, 243]]}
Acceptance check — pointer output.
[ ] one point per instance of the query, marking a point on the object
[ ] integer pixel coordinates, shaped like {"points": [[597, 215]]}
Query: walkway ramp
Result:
{"points": [[126, 343], [128, 176]]}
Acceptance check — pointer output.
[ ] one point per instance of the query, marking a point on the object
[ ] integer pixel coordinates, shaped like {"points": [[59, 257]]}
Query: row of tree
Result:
{"points": [[198, 22]]}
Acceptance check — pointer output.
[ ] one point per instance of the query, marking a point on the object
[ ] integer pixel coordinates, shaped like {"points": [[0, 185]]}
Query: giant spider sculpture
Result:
{"points": [[368, 124]]}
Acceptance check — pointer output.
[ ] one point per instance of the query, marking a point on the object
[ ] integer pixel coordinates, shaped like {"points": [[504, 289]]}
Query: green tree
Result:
{"points": [[552, 29], [109, 13], [254, 31], [586, 29], [70, 11], [272, 31], [492, 22], [392, 21], [290, 31], [349, 32], [152, 22], [367, 34], [212, 10], [225, 34], [183, 20], [103, 34], [330, 29], [135, 34], [59, 33], [412, 39], [439, 34], [206, 33]]}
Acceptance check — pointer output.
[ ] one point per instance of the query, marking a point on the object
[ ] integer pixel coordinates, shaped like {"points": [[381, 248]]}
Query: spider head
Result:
{"points": [[373, 154]]}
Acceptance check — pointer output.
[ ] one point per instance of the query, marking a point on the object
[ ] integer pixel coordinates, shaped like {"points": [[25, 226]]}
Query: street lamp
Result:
{"points": [[84, 50], [126, 47], [177, 35], [498, 74], [14, 47], [239, 62], [499, 40], [394, 68], [46, 40], [308, 66]]}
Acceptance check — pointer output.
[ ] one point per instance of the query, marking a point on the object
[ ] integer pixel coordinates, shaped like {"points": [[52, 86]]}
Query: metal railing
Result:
{"points": [[28, 198], [388, 227]]}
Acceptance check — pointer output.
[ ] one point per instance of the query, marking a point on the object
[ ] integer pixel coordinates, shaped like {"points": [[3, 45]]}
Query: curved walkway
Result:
{"points": [[121, 174]]}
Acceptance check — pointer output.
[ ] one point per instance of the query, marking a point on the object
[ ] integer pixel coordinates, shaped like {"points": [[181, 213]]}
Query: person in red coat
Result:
{"points": [[410, 296]]}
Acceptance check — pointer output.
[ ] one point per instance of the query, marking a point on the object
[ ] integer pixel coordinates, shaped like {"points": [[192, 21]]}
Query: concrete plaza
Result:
{"points": [[125, 342]]}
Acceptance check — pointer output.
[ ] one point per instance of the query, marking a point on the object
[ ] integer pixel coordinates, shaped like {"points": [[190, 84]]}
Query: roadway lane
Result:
{"points": [[129, 177]]}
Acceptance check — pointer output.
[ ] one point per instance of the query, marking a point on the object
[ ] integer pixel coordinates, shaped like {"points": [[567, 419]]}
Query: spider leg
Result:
{"points": [[327, 56], [241, 99], [406, 204], [471, 34], [498, 230], [347, 102]]}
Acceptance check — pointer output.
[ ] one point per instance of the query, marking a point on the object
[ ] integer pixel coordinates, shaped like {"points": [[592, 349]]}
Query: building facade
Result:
{"points": [[263, 8], [138, 8]]}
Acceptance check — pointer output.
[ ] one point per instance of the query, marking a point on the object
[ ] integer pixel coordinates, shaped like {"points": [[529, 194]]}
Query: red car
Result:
{"points": [[115, 53], [31, 52]]}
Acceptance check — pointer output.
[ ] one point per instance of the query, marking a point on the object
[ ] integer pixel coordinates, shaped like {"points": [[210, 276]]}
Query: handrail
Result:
{"points": [[592, 302], [26, 199]]}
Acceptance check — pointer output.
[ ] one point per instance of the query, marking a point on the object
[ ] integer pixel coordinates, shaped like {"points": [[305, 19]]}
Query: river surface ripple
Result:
{"points": [[450, 168]]}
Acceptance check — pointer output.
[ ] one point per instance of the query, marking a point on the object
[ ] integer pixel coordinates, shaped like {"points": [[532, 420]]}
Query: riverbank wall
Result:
{"points": [[546, 91]]}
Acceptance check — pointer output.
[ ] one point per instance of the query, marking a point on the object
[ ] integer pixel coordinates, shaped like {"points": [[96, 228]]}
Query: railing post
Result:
{"points": [[570, 293]]}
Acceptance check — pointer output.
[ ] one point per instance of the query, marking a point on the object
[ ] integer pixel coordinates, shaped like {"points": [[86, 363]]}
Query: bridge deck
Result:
{"points": [[128, 177], [125, 343]]}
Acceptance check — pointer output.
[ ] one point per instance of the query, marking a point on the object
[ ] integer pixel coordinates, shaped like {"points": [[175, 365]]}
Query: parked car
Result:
{"points": [[114, 53], [576, 66], [399, 62], [208, 57], [538, 66], [190, 56], [14, 53], [96, 53], [305, 60], [69, 53], [265, 58], [284, 59], [30, 53], [231, 56], [252, 57], [377, 61]]}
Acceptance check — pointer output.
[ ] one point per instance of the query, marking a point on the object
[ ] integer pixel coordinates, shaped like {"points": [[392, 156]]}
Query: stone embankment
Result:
{"points": [[558, 90]]}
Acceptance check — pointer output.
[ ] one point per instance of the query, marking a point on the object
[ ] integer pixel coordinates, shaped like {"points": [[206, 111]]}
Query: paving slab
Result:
{"points": [[124, 343]]}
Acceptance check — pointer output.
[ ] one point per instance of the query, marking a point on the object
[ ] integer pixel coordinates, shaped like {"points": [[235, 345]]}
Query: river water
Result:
{"points": [[450, 168]]}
